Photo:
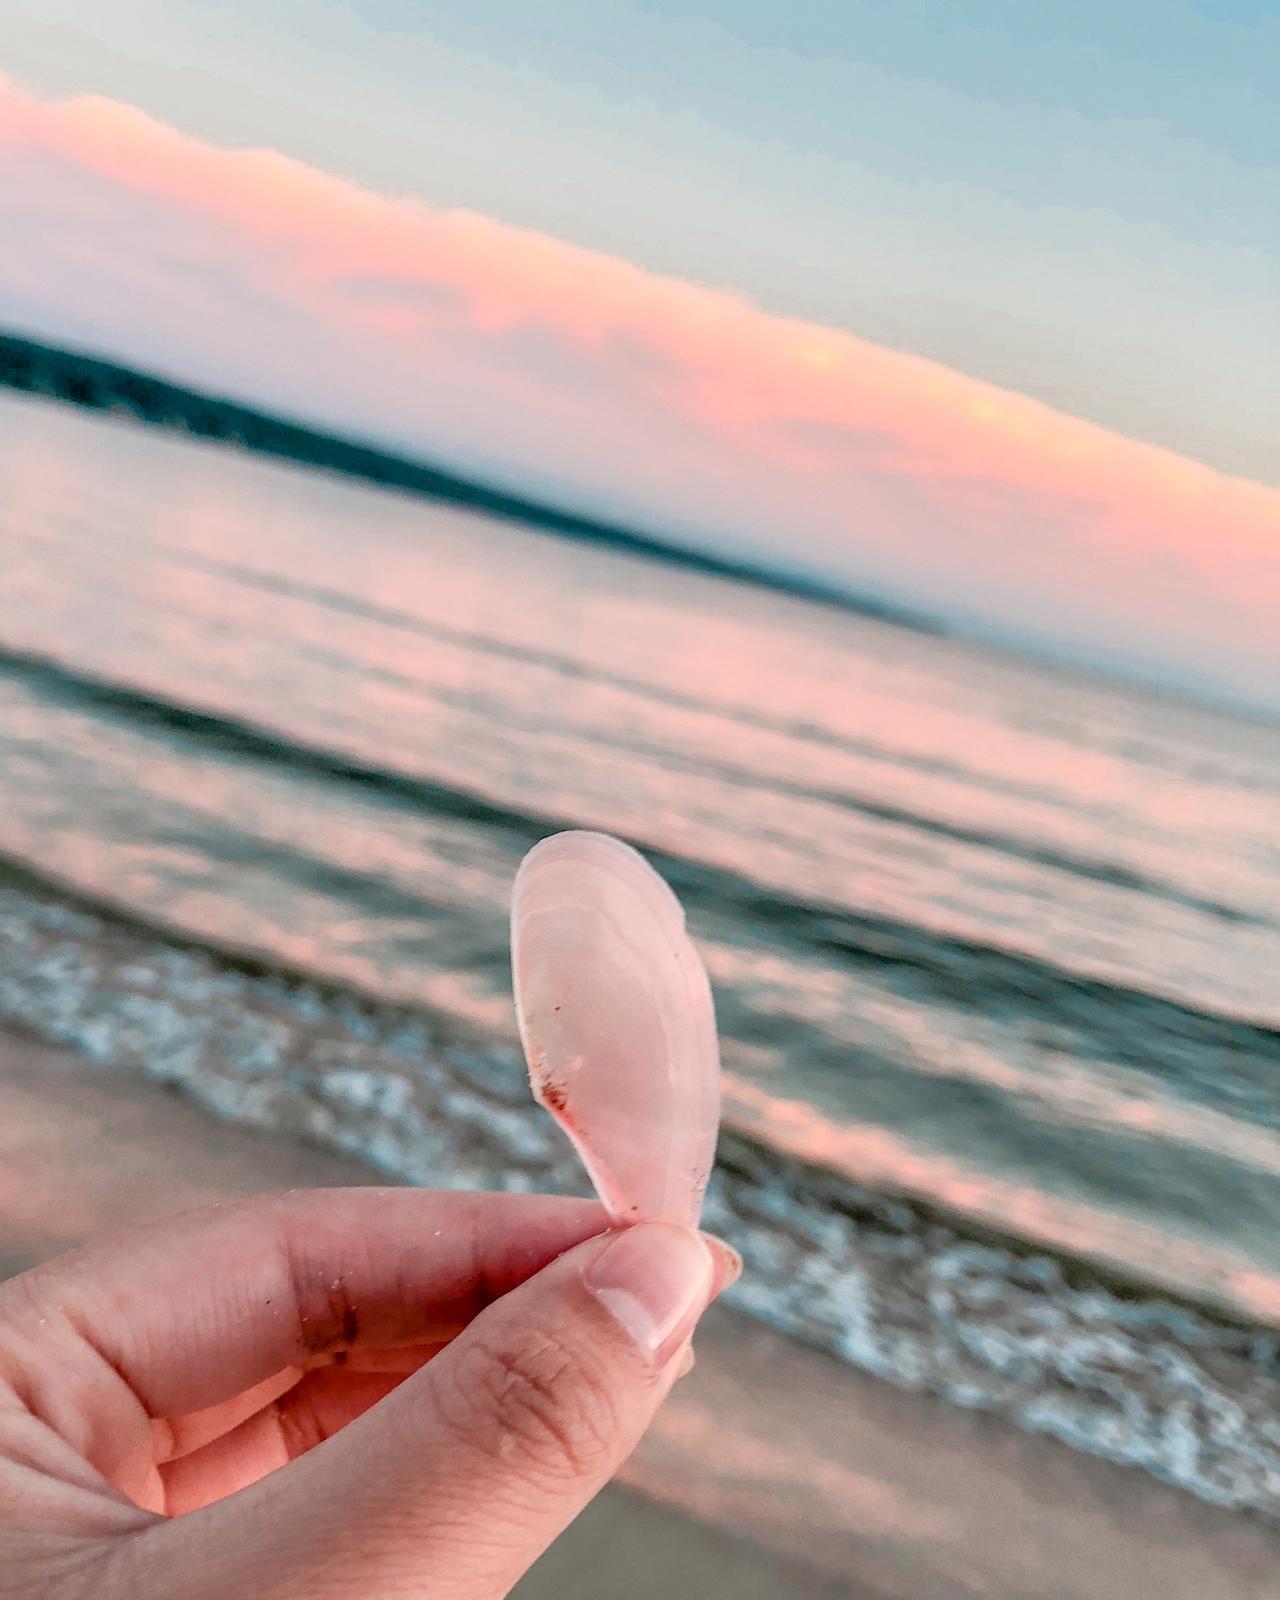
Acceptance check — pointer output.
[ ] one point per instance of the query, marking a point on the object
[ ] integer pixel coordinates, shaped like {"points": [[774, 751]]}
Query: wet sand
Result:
{"points": [[773, 1470]]}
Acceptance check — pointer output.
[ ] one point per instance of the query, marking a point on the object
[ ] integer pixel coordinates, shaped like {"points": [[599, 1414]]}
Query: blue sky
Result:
{"points": [[1079, 202]]}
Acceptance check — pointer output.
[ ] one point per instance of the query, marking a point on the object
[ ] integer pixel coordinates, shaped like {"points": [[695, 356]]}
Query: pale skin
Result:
{"points": [[323, 1394]]}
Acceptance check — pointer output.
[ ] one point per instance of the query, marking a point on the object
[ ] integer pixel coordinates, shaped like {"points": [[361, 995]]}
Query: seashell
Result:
{"points": [[617, 1022]]}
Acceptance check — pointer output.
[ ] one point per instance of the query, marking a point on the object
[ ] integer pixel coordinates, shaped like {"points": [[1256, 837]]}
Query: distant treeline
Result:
{"points": [[103, 386]]}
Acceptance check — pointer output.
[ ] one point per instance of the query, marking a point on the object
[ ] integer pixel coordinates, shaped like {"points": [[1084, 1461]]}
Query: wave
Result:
{"points": [[825, 925], [570, 667], [740, 713], [1205, 1059], [1020, 849]]}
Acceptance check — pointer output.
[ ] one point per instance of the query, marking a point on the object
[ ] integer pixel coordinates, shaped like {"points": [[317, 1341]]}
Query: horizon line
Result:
{"points": [[91, 381], [228, 420]]}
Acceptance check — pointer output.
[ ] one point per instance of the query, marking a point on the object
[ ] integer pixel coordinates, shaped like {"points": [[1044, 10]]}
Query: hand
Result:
{"points": [[445, 1380]]}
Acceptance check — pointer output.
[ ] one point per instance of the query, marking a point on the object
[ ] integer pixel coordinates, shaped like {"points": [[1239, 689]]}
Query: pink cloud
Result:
{"points": [[683, 408]]}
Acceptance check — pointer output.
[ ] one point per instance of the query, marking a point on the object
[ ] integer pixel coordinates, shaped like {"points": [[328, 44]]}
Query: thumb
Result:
{"points": [[455, 1483]]}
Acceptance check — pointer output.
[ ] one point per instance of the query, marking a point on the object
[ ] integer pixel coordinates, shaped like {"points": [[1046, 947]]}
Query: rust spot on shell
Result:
{"points": [[554, 1095]]}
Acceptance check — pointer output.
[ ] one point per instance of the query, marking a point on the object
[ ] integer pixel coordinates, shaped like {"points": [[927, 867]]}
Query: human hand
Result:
{"points": [[444, 1379]]}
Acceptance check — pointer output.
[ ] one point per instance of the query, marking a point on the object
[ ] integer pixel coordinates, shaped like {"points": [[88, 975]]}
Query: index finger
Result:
{"points": [[195, 1309]]}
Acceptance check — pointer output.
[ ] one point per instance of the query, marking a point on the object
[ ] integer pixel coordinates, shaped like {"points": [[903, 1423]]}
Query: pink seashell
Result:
{"points": [[617, 1022]]}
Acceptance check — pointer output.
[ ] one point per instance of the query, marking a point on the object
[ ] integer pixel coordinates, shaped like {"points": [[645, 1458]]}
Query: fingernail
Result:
{"points": [[728, 1263], [687, 1359], [654, 1280]]}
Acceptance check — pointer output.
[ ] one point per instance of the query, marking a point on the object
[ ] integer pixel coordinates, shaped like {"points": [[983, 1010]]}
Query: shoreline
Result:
{"points": [[741, 1148], [998, 1330], [773, 1469]]}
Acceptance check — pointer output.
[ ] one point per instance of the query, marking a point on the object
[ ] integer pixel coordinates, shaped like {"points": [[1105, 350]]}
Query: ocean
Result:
{"points": [[993, 942]]}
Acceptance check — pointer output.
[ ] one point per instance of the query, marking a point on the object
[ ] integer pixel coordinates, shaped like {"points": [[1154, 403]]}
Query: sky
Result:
{"points": [[973, 307]]}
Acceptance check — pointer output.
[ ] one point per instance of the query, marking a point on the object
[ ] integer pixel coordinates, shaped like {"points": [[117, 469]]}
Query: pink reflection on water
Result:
{"points": [[880, 1159]]}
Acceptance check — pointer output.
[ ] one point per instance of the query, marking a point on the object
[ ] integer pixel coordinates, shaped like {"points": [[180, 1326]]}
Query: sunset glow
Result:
{"points": [[684, 409]]}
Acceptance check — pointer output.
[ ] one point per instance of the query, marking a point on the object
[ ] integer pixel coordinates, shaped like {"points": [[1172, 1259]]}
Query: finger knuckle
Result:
{"points": [[535, 1404]]}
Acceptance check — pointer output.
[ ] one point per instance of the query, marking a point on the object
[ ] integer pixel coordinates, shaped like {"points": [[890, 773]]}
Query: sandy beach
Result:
{"points": [[773, 1470]]}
